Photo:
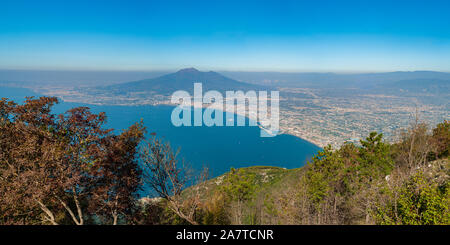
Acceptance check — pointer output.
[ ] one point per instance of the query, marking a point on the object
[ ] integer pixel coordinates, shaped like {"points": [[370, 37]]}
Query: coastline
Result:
{"points": [[63, 98], [282, 131]]}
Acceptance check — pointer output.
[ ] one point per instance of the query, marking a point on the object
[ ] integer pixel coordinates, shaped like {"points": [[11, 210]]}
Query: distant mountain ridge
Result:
{"points": [[334, 80], [103, 79], [184, 80], [438, 86]]}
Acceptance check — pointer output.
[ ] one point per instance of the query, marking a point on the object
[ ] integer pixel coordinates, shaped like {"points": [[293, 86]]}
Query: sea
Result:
{"points": [[218, 148]]}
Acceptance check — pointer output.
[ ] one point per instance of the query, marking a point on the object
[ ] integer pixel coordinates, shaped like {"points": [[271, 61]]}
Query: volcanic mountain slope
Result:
{"points": [[184, 80]]}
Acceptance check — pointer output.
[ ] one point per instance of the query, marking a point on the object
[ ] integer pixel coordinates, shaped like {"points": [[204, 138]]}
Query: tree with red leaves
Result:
{"points": [[65, 169]]}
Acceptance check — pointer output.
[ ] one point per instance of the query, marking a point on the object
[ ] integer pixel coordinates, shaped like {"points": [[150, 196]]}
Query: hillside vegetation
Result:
{"points": [[374, 183]]}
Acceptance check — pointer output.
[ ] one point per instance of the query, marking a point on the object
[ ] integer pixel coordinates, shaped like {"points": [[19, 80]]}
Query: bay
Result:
{"points": [[218, 148]]}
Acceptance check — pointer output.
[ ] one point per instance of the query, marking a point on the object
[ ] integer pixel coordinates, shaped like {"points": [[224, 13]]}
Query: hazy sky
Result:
{"points": [[346, 36]]}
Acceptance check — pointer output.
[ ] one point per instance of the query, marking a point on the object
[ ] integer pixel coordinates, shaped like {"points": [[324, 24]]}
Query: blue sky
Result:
{"points": [[338, 36]]}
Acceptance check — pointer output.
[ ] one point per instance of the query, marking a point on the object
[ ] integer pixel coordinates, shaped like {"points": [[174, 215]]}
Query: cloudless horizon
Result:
{"points": [[278, 36]]}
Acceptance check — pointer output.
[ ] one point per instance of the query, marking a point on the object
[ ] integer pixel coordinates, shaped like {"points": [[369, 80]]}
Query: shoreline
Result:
{"points": [[161, 103], [281, 131]]}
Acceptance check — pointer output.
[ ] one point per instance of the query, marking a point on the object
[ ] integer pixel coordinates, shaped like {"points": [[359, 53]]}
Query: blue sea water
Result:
{"points": [[219, 148]]}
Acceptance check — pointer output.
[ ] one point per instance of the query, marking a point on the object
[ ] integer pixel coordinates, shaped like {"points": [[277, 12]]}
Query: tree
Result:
{"points": [[374, 157], [167, 178], [117, 176], [216, 210], [54, 168], [420, 201], [413, 148], [441, 139], [239, 187]]}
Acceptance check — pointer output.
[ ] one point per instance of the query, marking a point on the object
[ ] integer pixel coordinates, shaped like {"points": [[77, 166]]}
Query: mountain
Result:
{"points": [[333, 80], [421, 85], [184, 80]]}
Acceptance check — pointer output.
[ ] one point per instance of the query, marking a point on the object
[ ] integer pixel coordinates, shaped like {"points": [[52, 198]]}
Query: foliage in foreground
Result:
{"points": [[65, 169], [371, 183]]}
